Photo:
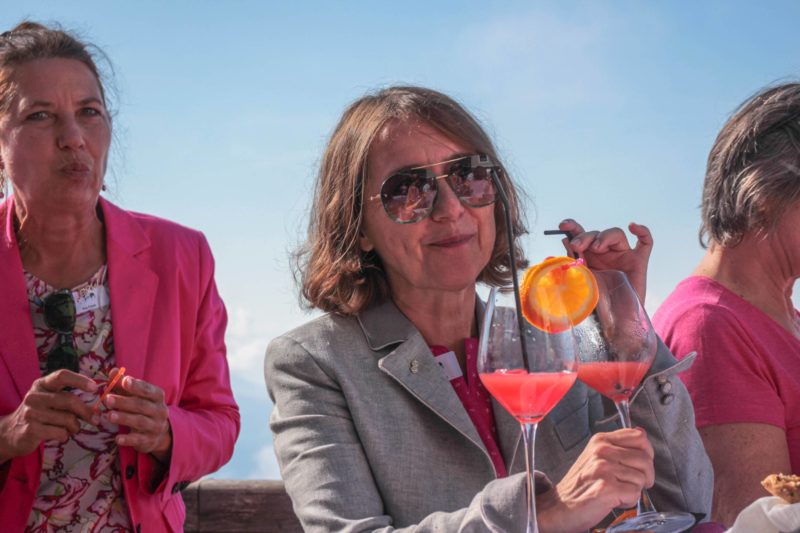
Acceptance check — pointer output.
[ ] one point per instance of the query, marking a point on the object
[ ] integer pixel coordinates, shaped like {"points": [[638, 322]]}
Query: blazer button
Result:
{"points": [[665, 387], [667, 399], [129, 471], [138, 528], [414, 366], [661, 380]]}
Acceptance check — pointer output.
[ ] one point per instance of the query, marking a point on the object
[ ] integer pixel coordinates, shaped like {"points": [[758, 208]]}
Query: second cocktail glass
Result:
{"points": [[617, 346]]}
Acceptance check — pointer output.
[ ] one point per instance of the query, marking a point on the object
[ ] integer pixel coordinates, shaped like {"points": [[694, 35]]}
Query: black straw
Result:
{"points": [[568, 234], [513, 257]]}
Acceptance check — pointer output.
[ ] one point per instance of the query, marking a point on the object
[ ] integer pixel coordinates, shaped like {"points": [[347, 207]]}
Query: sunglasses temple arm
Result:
{"points": [[513, 256]]}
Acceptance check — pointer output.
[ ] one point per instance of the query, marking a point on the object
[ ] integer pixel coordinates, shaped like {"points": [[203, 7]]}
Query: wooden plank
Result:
{"points": [[227, 506]]}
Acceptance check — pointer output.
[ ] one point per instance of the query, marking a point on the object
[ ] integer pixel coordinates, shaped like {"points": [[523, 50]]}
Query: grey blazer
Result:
{"points": [[370, 435]]}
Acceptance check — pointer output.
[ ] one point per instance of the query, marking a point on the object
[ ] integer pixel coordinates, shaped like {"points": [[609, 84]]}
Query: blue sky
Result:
{"points": [[603, 111]]}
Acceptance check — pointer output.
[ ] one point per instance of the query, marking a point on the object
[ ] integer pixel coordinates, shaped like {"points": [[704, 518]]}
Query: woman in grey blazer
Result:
{"points": [[379, 420]]}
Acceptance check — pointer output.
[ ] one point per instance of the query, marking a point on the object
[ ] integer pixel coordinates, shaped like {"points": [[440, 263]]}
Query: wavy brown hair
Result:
{"points": [[334, 274], [29, 41], [753, 172]]}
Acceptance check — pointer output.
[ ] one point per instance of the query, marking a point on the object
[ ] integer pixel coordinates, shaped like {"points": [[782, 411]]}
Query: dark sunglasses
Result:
{"points": [[59, 315], [409, 195]]}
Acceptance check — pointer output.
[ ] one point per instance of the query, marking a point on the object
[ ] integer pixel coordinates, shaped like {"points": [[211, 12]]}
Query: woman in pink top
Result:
{"points": [[69, 460], [736, 310]]}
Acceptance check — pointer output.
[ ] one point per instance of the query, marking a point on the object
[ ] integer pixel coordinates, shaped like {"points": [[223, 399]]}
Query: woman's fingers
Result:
{"points": [[610, 472], [629, 465], [136, 422], [609, 463], [41, 431], [140, 406], [60, 403], [62, 379], [51, 417], [571, 226], [133, 405], [644, 239]]}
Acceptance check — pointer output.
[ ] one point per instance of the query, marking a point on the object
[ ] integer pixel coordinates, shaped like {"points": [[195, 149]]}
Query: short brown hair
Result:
{"points": [[334, 274], [30, 41], [753, 172]]}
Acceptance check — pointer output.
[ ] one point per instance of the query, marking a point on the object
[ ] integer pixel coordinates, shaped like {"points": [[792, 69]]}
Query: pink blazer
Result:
{"points": [[169, 325]]}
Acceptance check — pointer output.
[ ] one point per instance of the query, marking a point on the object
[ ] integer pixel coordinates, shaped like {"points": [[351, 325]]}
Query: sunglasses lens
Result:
{"points": [[59, 312], [62, 356], [473, 184], [408, 197]]}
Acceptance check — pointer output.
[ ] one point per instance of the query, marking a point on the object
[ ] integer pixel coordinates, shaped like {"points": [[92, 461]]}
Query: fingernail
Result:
{"points": [[567, 221], [113, 417], [96, 420], [575, 242], [110, 401]]}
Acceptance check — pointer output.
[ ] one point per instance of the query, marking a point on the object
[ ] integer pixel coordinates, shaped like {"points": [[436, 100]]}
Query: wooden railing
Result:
{"points": [[225, 506]]}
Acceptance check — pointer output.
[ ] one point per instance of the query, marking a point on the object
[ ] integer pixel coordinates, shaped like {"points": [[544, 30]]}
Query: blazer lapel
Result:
{"points": [[132, 288], [17, 345], [412, 365]]}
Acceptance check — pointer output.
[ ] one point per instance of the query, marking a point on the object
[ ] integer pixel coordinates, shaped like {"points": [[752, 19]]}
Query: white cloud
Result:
{"points": [[542, 58], [249, 333]]}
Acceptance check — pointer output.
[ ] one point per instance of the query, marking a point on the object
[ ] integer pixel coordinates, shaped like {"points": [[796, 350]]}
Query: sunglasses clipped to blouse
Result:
{"points": [[59, 316], [409, 195]]}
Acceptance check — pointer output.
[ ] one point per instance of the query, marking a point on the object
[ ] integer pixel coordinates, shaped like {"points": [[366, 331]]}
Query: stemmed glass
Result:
{"points": [[617, 346], [527, 374]]}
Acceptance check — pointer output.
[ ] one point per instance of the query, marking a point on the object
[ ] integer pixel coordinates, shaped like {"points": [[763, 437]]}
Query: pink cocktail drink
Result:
{"points": [[528, 396], [613, 379]]}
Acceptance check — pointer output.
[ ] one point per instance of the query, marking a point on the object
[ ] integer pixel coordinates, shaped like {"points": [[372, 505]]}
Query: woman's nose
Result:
{"points": [[70, 134], [447, 205]]}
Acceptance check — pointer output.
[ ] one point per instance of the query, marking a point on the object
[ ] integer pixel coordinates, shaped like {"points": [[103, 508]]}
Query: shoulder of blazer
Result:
{"points": [[136, 232]]}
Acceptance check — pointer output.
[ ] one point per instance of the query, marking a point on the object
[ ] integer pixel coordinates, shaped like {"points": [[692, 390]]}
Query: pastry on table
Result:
{"points": [[783, 486]]}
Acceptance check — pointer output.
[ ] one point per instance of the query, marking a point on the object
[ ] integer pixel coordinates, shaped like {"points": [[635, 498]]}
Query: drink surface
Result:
{"points": [[615, 380], [528, 396]]}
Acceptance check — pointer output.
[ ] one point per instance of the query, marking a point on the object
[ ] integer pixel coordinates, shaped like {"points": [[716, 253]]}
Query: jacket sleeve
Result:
{"points": [[205, 422], [326, 471], [684, 477]]}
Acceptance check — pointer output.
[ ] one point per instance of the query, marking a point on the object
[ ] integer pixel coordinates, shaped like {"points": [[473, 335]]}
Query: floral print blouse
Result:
{"points": [[81, 485]]}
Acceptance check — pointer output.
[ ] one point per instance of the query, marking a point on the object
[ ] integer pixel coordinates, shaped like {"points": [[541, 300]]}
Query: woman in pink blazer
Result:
{"points": [[69, 459]]}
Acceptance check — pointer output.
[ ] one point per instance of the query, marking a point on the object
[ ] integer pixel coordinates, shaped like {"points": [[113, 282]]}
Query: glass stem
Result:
{"points": [[529, 436], [644, 504]]}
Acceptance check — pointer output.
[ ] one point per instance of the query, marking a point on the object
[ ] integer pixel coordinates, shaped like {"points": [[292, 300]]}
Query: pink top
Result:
{"points": [[80, 488], [477, 402], [748, 366]]}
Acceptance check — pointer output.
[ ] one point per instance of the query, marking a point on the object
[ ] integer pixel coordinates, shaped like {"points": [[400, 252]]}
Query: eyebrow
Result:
{"points": [[91, 100], [455, 157], [48, 104]]}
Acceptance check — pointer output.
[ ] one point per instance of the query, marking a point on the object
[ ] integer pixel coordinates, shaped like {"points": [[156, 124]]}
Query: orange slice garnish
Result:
{"points": [[558, 293]]}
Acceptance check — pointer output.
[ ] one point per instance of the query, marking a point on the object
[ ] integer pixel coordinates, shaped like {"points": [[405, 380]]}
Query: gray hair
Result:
{"points": [[753, 172]]}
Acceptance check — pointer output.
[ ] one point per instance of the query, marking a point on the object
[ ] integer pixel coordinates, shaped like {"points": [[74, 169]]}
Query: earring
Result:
{"points": [[103, 187], [2, 183]]}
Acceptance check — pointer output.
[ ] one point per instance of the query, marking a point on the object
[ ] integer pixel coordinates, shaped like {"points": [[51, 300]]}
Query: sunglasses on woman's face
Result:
{"points": [[410, 194], [59, 315]]}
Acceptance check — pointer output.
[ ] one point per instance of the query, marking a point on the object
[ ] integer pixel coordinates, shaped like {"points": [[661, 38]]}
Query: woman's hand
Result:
{"points": [[141, 407], [610, 473], [609, 250], [47, 412]]}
